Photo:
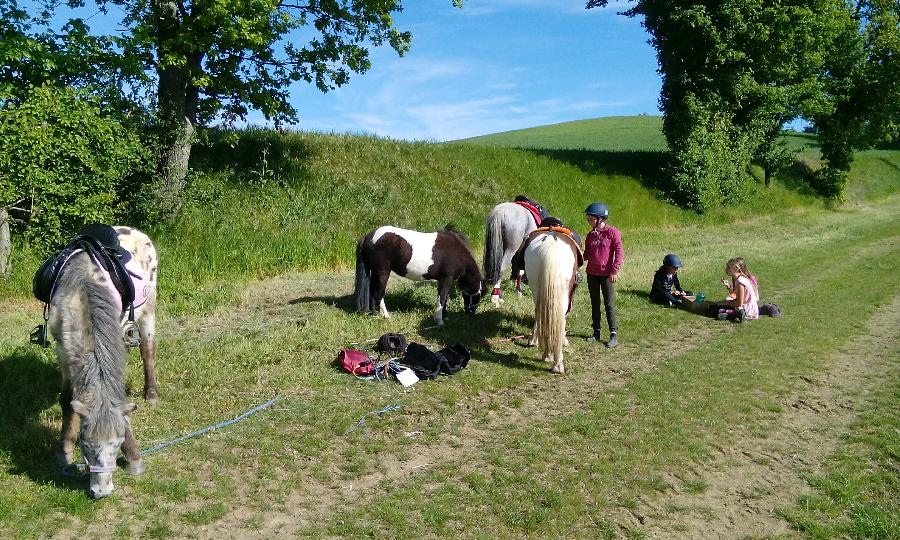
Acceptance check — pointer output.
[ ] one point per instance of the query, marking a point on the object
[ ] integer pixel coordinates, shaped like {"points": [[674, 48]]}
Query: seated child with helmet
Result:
{"points": [[666, 289]]}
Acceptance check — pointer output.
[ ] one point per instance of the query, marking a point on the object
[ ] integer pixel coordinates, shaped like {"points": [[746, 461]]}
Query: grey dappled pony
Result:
{"points": [[85, 320], [505, 230]]}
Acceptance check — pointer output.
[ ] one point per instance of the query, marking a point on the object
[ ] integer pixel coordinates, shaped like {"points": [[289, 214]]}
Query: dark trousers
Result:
{"points": [[664, 297], [598, 285]]}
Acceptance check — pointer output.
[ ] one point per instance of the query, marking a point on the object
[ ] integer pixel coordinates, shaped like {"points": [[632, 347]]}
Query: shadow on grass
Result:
{"points": [[259, 155], [29, 384], [646, 166]]}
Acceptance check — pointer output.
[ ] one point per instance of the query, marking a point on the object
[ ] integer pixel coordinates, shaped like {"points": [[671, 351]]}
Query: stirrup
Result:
{"points": [[132, 334], [38, 336]]}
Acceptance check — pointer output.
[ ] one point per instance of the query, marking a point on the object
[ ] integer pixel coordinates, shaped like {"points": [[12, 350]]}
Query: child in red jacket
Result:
{"points": [[604, 254]]}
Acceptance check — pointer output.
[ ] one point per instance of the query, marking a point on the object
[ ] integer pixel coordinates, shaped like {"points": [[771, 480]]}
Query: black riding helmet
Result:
{"points": [[551, 221], [672, 260], [597, 209]]}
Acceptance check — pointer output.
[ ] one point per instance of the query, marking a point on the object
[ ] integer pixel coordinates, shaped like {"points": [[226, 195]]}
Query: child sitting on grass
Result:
{"points": [[743, 301], [666, 289]]}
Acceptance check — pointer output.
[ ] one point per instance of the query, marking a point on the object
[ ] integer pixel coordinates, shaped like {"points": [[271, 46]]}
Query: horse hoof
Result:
{"points": [[135, 468], [558, 369], [151, 397]]}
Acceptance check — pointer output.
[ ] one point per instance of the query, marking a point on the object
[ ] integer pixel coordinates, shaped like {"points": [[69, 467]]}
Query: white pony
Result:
{"points": [[551, 263]]}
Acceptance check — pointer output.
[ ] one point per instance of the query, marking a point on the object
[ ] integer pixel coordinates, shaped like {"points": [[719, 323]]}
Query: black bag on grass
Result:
{"points": [[391, 343], [428, 364]]}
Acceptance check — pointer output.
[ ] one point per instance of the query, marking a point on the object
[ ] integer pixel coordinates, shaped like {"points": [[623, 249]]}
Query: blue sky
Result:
{"points": [[495, 65]]}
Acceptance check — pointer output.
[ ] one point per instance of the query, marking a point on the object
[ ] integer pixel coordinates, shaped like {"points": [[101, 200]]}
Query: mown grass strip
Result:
{"points": [[858, 495], [556, 478]]}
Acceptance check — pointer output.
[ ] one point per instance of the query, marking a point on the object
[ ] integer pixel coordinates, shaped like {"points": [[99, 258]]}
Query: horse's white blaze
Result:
{"points": [[422, 249]]}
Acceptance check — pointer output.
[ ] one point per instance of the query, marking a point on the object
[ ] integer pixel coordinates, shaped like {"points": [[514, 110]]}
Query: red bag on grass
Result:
{"points": [[356, 362]]}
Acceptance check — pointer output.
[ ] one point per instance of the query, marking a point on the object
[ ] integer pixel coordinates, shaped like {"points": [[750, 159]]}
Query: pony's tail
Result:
{"points": [[493, 248], [361, 290], [550, 297]]}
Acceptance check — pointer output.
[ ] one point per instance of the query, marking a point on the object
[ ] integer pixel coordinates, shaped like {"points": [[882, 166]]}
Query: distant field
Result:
{"points": [[617, 133]]}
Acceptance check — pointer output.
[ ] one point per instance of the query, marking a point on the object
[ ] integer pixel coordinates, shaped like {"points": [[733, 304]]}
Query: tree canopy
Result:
{"points": [[189, 62], [735, 72]]}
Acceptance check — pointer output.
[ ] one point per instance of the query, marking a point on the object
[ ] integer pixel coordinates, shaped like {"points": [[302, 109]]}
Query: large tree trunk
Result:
{"points": [[173, 168], [5, 243], [177, 110]]}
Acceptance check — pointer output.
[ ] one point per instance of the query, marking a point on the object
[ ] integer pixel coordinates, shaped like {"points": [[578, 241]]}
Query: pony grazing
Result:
{"points": [[505, 230], [552, 260], [443, 256], [86, 317]]}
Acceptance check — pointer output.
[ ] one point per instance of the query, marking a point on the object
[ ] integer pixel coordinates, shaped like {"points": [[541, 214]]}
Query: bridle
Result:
{"points": [[97, 468]]}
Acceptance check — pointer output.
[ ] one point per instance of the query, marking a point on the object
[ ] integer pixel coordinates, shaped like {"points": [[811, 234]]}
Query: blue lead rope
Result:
{"points": [[362, 421], [207, 429]]}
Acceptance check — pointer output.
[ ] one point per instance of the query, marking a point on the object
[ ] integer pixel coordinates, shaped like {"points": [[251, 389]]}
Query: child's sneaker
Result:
{"points": [[738, 316], [612, 341], [723, 316], [595, 338]]}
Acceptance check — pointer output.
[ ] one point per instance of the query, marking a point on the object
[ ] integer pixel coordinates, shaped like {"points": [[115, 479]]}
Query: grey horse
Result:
{"points": [[85, 320], [505, 229]]}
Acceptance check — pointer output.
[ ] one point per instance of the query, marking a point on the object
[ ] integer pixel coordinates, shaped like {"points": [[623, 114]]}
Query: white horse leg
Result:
{"points": [[383, 310], [519, 283], [558, 366], [533, 339], [439, 312]]}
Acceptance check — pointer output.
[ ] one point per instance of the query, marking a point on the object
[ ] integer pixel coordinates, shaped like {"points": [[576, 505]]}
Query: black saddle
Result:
{"points": [[99, 241]]}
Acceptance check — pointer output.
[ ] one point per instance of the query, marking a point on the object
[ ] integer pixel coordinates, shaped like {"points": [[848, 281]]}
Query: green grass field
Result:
{"points": [[792, 420]]}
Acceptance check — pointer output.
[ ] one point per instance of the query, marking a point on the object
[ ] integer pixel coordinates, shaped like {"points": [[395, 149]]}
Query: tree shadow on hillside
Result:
{"points": [[258, 156], [29, 385], [646, 166]]}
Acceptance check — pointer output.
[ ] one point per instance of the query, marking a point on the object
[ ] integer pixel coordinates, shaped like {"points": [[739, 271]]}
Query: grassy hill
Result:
{"points": [[299, 201]]}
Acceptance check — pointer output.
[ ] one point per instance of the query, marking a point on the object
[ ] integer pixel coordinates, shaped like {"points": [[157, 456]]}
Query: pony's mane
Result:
{"points": [[98, 375], [454, 230]]}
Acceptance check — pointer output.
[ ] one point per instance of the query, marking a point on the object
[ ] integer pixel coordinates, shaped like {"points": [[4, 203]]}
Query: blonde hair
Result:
{"points": [[741, 266]]}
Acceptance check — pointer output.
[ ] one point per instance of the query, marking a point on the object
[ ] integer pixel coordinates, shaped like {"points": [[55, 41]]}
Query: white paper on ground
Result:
{"points": [[407, 377]]}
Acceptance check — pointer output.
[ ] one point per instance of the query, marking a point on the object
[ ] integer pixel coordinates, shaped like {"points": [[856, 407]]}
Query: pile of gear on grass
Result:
{"points": [[407, 363]]}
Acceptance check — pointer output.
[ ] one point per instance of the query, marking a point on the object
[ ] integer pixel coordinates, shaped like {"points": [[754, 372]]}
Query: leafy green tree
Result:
{"points": [[733, 73], [862, 89], [61, 163], [198, 60]]}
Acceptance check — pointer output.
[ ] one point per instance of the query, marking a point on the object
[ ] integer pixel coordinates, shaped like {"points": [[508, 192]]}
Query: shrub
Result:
{"points": [[61, 161]]}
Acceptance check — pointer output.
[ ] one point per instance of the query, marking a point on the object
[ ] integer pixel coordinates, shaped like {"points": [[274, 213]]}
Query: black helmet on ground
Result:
{"points": [[597, 209], [672, 260]]}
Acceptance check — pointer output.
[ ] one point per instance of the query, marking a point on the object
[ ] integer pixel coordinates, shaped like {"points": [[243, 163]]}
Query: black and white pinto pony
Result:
{"points": [[551, 262], [86, 321], [443, 256], [505, 230]]}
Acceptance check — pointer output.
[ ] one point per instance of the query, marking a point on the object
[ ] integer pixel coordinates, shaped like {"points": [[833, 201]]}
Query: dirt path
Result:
{"points": [[747, 483]]}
